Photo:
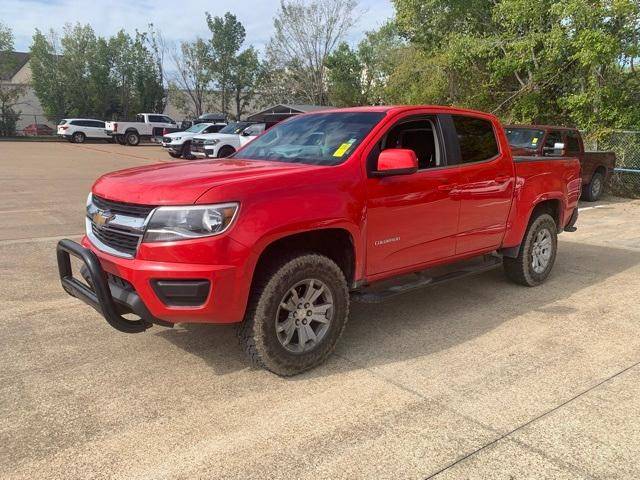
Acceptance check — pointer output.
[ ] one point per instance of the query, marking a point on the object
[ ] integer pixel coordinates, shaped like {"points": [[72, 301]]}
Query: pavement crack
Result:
{"points": [[529, 422]]}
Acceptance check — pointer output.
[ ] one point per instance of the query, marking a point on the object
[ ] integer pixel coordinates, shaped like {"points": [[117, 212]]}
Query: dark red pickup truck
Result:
{"points": [[550, 141], [323, 208]]}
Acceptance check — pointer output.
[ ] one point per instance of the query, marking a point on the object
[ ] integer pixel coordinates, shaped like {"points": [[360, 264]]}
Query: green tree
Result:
{"points": [[190, 86], [345, 77], [47, 78], [244, 78], [570, 61], [227, 37], [9, 94], [306, 33]]}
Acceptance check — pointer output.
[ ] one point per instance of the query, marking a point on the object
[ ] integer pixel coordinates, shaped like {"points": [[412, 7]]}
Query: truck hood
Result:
{"points": [[183, 183]]}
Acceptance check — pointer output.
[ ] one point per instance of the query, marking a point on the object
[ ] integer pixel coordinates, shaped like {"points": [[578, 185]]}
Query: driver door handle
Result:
{"points": [[502, 178]]}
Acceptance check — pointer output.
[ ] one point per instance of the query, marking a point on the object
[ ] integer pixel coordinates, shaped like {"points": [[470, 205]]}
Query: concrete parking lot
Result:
{"points": [[477, 378]]}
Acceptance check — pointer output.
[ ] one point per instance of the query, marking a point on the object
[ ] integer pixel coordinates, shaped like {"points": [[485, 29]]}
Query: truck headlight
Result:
{"points": [[211, 141], [168, 224]]}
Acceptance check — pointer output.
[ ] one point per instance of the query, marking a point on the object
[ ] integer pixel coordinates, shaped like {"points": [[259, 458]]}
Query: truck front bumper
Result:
{"points": [[156, 292]]}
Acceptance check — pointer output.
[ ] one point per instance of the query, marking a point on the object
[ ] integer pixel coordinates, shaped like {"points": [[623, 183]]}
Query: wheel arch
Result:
{"points": [[551, 205], [336, 243]]}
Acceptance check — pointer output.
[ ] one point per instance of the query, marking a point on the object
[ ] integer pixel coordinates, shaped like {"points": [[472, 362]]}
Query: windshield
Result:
{"points": [[318, 139], [524, 137], [197, 128], [235, 127]]}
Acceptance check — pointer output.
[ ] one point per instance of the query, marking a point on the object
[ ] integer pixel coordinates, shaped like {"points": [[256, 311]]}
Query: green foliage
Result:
{"points": [[227, 37], [360, 76], [345, 77], [80, 74], [539, 61], [9, 94]]}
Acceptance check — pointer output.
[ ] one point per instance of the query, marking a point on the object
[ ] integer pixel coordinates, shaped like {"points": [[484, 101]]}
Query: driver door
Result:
{"points": [[412, 220]]}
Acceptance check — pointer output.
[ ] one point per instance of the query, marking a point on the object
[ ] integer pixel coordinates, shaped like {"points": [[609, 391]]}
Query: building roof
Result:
{"points": [[282, 111], [15, 60]]}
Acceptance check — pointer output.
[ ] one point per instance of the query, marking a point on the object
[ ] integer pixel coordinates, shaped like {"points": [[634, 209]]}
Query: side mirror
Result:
{"points": [[396, 161], [246, 133]]}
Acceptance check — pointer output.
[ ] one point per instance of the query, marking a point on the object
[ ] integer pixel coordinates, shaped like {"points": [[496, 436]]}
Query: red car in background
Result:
{"points": [[37, 129]]}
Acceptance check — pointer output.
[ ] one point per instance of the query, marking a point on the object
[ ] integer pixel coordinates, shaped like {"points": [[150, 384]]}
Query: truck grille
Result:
{"points": [[123, 233]]}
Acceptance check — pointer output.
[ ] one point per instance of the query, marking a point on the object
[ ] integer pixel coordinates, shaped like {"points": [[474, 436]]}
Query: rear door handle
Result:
{"points": [[447, 187]]}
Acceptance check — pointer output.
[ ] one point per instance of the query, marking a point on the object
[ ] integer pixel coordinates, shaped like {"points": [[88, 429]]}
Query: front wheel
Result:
{"points": [[296, 314], [537, 253], [225, 151]]}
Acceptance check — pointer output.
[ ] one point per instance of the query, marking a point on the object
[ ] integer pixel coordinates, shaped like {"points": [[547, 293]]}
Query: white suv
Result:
{"points": [[77, 130], [178, 144], [227, 141]]}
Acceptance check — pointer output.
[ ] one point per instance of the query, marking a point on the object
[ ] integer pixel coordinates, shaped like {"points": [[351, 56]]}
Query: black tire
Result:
{"points": [[132, 138], [593, 191], [521, 269], [226, 151], [258, 334], [174, 155], [121, 140], [186, 150], [78, 137]]}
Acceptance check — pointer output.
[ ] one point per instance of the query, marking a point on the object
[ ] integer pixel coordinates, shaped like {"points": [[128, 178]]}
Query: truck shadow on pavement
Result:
{"points": [[430, 320]]}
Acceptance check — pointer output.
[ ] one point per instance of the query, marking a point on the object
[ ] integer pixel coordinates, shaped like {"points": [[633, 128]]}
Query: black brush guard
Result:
{"points": [[108, 299]]}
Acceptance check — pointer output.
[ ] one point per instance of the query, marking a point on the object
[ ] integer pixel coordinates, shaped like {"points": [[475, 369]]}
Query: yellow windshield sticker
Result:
{"points": [[534, 141], [342, 149]]}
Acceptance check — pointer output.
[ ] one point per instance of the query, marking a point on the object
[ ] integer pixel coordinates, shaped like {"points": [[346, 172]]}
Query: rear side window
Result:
{"points": [[476, 138], [573, 144]]}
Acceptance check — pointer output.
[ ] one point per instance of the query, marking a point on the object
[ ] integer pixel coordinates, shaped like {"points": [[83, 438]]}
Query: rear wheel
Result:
{"points": [[226, 151], [174, 155], [594, 189], [78, 137], [121, 140], [132, 138], [537, 253], [296, 314]]}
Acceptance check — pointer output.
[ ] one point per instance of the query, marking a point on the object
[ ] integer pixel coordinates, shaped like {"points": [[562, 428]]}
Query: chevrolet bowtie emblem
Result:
{"points": [[102, 217]]}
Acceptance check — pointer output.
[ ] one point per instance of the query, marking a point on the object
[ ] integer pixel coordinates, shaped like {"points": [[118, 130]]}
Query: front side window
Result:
{"points": [[235, 128], [155, 119], [318, 139], [253, 130], [419, 135], [476, 138], [554, 138]]}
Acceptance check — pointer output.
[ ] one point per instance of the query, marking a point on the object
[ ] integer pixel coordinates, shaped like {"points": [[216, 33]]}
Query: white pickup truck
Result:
{"points": [[146, 126]]}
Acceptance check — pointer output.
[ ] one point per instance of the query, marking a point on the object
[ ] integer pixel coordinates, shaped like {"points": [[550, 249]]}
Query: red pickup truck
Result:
{"points": [[551, 141], [361, 204]]}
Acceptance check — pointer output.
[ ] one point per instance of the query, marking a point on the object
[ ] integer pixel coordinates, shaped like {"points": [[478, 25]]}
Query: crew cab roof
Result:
{"points": [[402, 108], [541, 127]]}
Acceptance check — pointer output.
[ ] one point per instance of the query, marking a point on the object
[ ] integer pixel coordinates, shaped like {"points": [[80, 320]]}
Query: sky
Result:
{"points": [[177, 20]]}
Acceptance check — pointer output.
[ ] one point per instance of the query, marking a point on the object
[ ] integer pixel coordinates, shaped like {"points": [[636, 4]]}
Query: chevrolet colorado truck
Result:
{"points": [[549, 141], [356, 204]]}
